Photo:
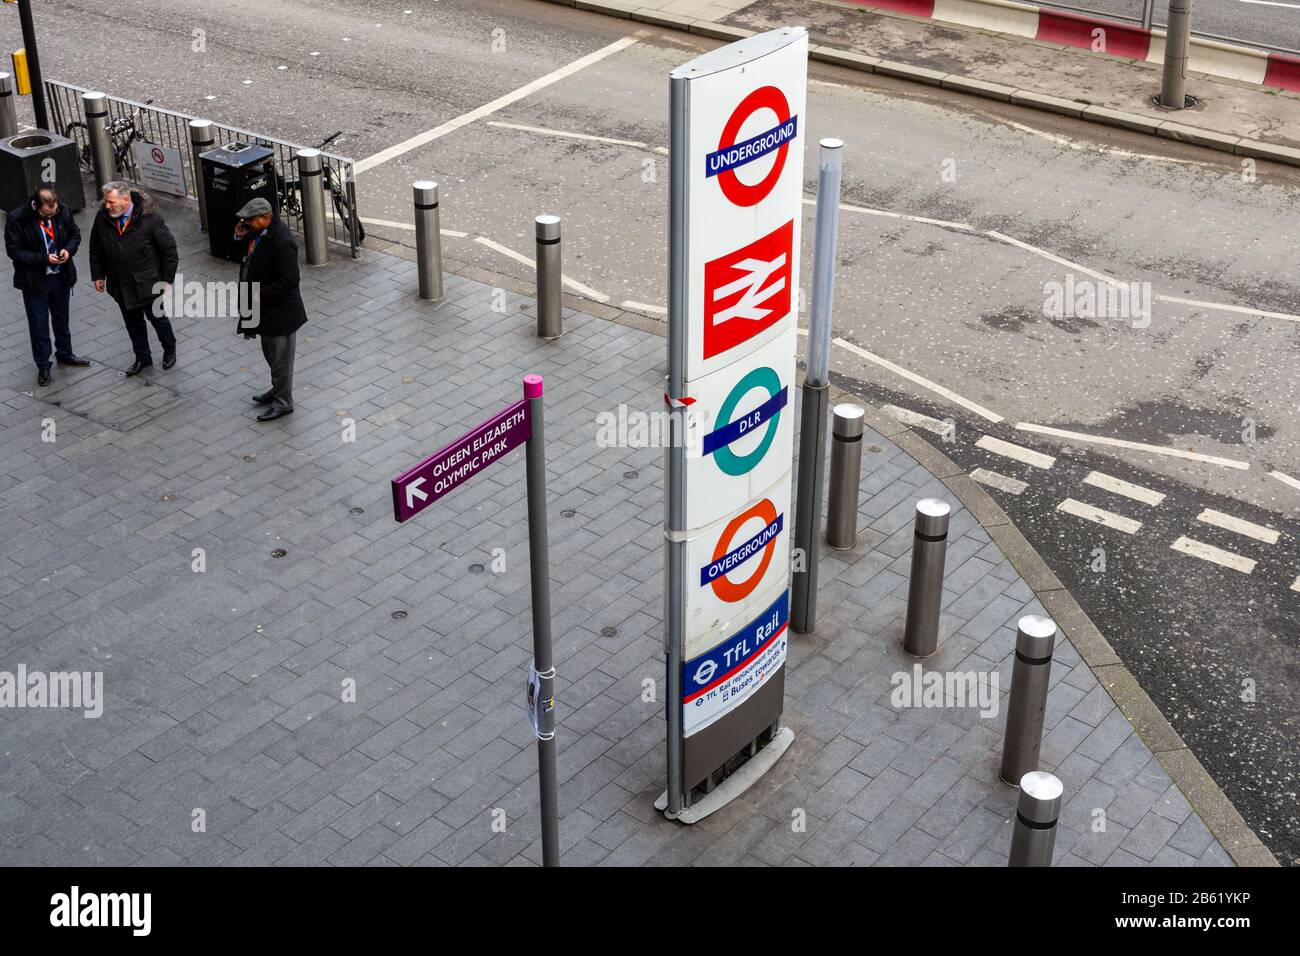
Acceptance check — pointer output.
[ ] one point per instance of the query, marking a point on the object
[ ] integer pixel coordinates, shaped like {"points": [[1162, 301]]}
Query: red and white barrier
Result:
{"points": [[1100, 35]]}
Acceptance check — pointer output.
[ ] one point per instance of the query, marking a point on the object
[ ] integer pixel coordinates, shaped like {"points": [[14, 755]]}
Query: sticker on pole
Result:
{"points": [[722, 678]]}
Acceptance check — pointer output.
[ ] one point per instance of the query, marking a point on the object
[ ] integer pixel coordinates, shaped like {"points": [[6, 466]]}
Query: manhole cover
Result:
{"points": [[609, 632], [399, 615], [476, 569]]}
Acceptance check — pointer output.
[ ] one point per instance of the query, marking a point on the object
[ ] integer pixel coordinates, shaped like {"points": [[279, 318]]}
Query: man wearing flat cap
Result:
{"points": [[271, 305]]}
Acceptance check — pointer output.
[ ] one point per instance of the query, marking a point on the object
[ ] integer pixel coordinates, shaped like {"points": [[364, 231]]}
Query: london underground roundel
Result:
{"points": [[731, 155]]}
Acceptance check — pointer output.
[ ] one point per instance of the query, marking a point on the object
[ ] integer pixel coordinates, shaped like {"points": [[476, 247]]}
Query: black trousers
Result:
{"points": [[136, 328]]}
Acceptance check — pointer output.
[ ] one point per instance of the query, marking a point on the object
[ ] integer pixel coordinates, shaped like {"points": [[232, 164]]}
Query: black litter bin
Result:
{"points": [[232, 175], [39, 158]]}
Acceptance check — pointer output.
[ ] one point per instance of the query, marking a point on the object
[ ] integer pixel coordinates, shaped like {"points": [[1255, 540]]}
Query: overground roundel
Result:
{"points": [[727, 590], [769, 414], [730, 155]]}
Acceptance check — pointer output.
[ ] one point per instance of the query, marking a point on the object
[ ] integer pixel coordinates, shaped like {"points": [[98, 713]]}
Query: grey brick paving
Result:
{"points": [[224, 690]]}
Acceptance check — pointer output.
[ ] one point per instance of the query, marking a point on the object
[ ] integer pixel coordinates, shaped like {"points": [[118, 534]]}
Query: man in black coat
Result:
{"points": [[268, 279], [41, 238], [133, 254]]}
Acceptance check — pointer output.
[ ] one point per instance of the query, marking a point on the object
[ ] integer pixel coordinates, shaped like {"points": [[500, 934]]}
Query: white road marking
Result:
{"points": [[1239, 309], [1099, 276], [898, 215], [909, 417], [1120, 487], [1295, 585], [1285, 479], [1098, 148], [410, 227], [1026, 456], [991, 478], [564, 134], [1134, 445], [925, 383], [1238, 526], [1208, 552], [1099, 516], [574, 284], [644, 307], [1274, 3], [487, 109]]}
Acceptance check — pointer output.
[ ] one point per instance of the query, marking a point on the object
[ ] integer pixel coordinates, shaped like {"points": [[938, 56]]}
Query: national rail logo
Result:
{"points": [[748, 290]]}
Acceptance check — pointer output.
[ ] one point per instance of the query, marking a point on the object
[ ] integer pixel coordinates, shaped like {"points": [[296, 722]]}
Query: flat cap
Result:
{"points": [[254, 207]]}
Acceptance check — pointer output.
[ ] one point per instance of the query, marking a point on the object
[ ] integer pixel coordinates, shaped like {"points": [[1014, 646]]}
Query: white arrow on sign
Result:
{"points": [[413, 491]]}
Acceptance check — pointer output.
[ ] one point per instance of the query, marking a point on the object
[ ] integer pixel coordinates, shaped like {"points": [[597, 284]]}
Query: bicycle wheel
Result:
{"points": [[345, 212], [83, 154]]}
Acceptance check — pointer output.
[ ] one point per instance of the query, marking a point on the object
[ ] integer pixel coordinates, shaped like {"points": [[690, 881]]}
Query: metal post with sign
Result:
{"points": [[735, 214], [446, 470]]}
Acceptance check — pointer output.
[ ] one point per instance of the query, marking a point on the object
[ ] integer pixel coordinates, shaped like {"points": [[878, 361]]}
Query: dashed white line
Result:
{"points": [[1285, 479], [1238, 526], [1003, 483], [1020, 453], [1118, 486], [845, 207], [1208, 552], [1134, 445], [1239, 309], [410, 227], [925, 383], [487, 109], [565, 134], [1099, 516], [519, 257], [917, 420]]}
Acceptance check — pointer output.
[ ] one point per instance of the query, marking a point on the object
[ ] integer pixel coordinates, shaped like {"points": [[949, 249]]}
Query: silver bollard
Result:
{"points": [[8, 111], [201, 140], [846, 473], [1035, 638], [94, 107], [550, 321], [925, 589], [1034, 836], [311, 186], [428, 239]]}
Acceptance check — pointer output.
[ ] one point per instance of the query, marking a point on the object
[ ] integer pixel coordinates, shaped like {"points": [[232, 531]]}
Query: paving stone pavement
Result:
{"points": [[224, 688]]}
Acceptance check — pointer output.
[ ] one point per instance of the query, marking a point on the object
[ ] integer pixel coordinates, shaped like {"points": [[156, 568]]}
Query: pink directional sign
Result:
{"points": [[449, 468]]}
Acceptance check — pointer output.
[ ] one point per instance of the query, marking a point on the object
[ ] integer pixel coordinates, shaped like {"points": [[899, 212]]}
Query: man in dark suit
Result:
{"points": [[41, 238], [268, 279], [133, 255]]}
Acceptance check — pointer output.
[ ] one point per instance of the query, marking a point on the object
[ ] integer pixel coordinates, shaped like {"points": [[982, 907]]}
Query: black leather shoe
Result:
{"points": [[138, 366], [263, 398], [43, 376], [76, 361], [271, 414], [169, 359]]}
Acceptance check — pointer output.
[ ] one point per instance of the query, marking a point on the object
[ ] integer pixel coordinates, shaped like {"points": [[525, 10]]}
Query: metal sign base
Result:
{"points": [[735, 785]]}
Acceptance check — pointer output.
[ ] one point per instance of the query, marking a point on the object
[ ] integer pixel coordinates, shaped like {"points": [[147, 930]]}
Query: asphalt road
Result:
{"points": [[1273, 24], [959, 214]]}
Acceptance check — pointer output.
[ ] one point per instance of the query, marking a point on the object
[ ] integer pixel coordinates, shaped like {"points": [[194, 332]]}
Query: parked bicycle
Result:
{"points": [[290, 193], [123, 133]]}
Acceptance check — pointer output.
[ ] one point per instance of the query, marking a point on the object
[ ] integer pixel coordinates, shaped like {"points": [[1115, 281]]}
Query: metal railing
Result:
{"points": [[162, 127], [1149, 13]]}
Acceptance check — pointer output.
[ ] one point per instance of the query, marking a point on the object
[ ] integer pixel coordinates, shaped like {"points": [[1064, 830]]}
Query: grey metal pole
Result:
{"points": [[1173, 86], [33, 64], [846, 474], [925, 587], [1027, 701], [94, 106], [1148, 8], [201, 140], [675, 453], [812, 420], [428, 239], [8, 111], [311, 186], [550, 321], [540, 578], [1034, 836]]}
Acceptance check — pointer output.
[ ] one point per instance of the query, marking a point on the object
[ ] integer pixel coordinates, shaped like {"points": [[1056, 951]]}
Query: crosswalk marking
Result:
{"points": [[1001, 482], [1099, 516], [1120, 487], [917, 420], [1019, 453], [1208, 552], [1247, 528]]}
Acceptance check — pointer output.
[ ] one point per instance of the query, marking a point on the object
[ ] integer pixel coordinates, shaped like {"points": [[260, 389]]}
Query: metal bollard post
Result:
{"points": [[846, 472], [95, 108], [925, 589], [428, 239], [201, 140], [311, 186], [1034, 835], [8, 112], [1035, 637], [1173, 82], [550, 321]]}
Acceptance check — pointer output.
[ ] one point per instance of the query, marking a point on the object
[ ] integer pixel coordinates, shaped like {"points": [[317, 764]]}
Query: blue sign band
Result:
{"points": [[737, 155], [703, 673], [746, 424], [733, 559]]}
